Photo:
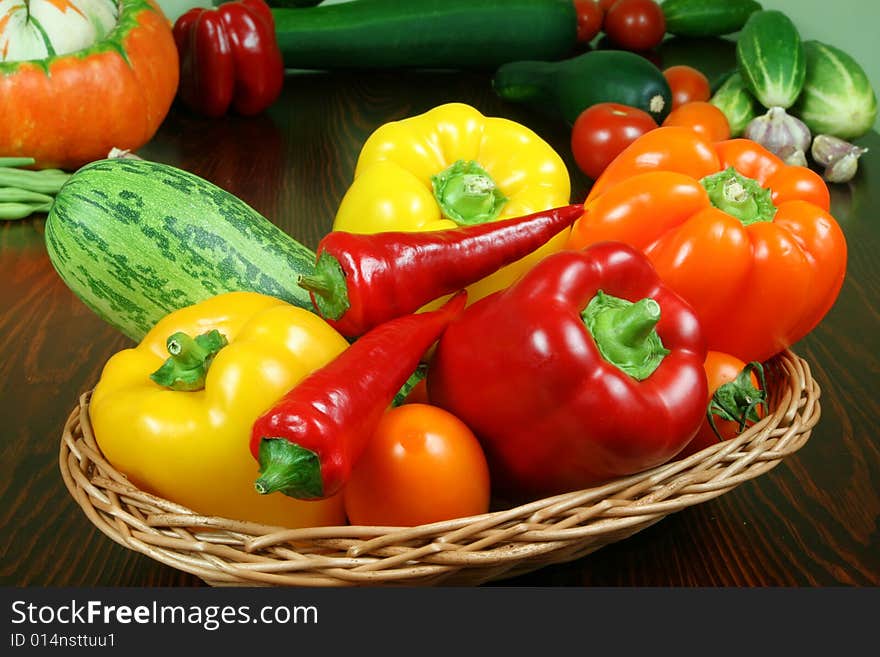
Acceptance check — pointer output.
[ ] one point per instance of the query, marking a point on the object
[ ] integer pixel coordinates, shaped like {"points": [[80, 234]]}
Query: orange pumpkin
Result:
{"points": [[69, 109]]}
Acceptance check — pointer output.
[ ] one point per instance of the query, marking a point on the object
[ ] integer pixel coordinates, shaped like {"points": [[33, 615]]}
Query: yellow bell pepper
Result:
{"points": [[453, 166], [179, 426]]}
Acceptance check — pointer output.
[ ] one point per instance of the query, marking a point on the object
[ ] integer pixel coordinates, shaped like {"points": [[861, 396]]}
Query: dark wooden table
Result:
{"points": [[814, 520]]}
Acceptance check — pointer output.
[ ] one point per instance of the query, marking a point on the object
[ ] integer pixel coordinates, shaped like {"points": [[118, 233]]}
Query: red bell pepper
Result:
{"points": [[363, 280], [586, 369], [229, 57], [307, 443]]}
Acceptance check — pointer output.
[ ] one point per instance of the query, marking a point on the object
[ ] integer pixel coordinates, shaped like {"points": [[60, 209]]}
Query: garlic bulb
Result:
{"points": [[840, 158], [776, 130], [827, 148], [793, 156], [843, 169]]}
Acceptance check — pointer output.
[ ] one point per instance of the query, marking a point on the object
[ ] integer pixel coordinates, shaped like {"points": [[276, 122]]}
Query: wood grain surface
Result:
{"points": [[812, 521]]}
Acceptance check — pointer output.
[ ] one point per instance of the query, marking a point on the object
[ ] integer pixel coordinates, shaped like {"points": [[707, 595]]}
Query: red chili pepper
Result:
{"points": [[307, 443], [586, 369], [229, 56], [363, 280]]}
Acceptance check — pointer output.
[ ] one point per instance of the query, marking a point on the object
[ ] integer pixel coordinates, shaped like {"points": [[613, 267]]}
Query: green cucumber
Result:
{"points": [[446, 34], [770, 58], [736, 102], [566, 88], [837, 98], [136, 240], [701, 18]]}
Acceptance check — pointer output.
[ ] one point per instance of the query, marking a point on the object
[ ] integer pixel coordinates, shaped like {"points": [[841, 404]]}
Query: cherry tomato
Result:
{"points": [[602, 131], [722, 369], [635, 24], [687, 84], [703, 118], [422, 465], [589, 19]]}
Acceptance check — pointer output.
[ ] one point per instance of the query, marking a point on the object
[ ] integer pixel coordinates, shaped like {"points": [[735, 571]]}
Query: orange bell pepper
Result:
{"points": [[747, 240]]}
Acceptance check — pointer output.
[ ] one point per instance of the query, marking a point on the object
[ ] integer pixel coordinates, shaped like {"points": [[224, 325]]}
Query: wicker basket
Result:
{"points": [[465, 551]]}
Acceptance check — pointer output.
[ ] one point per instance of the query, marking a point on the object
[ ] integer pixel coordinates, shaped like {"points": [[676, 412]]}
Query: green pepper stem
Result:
{"points": [[738, 196], [635, 322], [328, 287], [189, 360], [467, 194], [288, 468], [185, 351], [625, 333], [315, 283]]}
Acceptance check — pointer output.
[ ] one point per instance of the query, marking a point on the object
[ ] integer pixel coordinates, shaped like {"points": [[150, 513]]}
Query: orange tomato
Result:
{"points": [[702, 117], [687, 84], [723, 369], [422, 465]]}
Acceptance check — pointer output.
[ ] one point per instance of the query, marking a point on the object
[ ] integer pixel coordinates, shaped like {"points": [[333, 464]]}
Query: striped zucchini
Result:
{"points": [[770, 58], [837, 98], [135, 240]]}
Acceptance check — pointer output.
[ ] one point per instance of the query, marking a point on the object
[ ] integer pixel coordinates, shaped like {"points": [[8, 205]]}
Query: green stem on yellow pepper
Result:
{"points": [[189, 360], [467, 194]]}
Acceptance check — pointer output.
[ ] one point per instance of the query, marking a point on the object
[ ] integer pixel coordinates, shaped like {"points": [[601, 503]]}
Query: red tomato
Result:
{"points": [[635, 24], [722, 369], [703, 118], [602, 131], [422, 465], [605, 5], [589, 19], [687, 84]]}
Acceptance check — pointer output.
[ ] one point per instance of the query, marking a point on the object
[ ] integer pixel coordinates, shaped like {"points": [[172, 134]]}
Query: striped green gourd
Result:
{"points": [[136, 240], [770, 58], [837, 98]]}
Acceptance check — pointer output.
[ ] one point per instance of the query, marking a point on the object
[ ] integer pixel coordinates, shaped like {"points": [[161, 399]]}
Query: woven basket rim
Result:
{"points": [[463, 551]]}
